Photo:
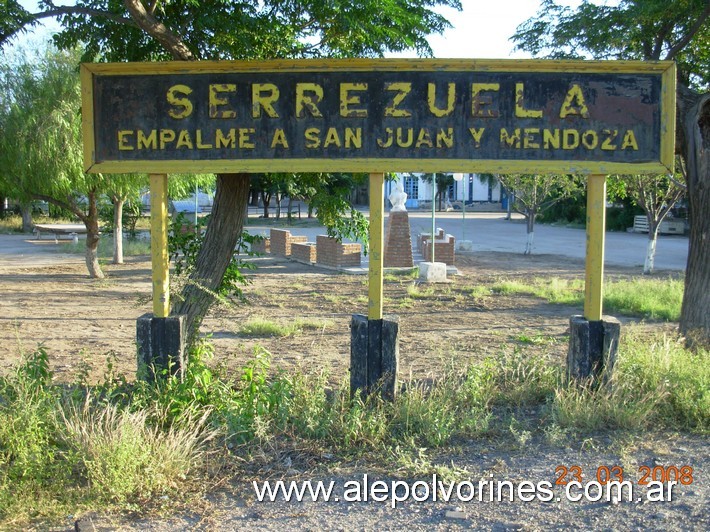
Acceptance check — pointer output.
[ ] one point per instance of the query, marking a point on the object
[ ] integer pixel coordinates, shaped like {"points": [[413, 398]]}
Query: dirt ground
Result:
{"points": [[82, 321]]}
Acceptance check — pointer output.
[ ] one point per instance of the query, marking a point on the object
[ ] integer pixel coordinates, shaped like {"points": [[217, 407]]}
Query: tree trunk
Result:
{"points": [[118, 230], [694, 121], [253, 198], [223, 231], [530, 219], [266, 200], [92, 238], [651, 247], [26, 212]]}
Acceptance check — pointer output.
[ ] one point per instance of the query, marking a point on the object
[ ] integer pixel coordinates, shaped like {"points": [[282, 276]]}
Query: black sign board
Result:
{"points": [[380, 115]]}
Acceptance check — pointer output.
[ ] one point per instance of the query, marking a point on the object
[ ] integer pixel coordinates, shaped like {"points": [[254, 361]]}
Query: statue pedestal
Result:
{"points": [[398, 241]]}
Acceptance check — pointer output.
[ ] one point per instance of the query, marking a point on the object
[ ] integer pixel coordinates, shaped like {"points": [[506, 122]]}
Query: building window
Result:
{"points": [[411, 187]]}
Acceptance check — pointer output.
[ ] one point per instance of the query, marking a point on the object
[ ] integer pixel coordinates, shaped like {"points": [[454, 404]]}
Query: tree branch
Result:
{"points": [[69, 206], [678, 46], [148, 23]]}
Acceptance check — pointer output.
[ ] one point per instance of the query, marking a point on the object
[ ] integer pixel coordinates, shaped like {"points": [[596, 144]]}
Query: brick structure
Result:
{"points": [[444, 251], [262, 246], [281, 241], [330, 252], [398, 241], [303, 252]]}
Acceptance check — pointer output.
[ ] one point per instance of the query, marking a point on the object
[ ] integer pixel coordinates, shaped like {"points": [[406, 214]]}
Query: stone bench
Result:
{"points": [[336, 254], [305, 252]]}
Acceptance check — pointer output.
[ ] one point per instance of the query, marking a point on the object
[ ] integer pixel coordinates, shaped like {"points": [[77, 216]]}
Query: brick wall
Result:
{"points": [[303, 252], [333, 253], [444, 251], [281, 241]]}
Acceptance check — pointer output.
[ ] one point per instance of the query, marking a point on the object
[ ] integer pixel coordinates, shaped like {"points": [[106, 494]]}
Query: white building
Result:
{"points": [[471, 189]]}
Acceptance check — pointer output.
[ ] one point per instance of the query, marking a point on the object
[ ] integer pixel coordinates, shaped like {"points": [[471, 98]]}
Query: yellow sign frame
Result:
{"points": [[666, 69]]}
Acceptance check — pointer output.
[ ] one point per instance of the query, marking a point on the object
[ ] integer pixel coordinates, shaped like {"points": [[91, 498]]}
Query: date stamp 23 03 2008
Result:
{"points": [[617, 484]]}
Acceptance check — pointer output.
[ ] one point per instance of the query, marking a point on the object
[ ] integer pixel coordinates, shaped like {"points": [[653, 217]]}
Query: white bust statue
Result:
{"points": [[398, 197]]}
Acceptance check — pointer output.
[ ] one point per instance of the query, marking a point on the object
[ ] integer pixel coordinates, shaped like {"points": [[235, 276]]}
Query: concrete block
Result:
{"points": [[432, 272], [161, 346], [593, 347], [374, 356]]}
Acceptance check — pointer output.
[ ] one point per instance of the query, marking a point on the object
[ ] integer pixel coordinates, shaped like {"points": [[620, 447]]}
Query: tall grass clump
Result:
{"points": [[656, 382], [35, 468], [64, 448], [125, 457], [522, 379]]}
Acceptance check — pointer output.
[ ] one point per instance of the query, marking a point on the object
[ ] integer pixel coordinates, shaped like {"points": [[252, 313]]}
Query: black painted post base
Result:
{"points": [[374, 356], [161, 346], [593, 346]]}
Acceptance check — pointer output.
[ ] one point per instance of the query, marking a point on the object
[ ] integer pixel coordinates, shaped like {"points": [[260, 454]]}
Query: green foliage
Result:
{"points": [[40, 140], [185, 241], [329, 195], [125, 458], [620, 218], [536, 193], [35, 465], [570, 210], [252, 30], [443, 181], [633, 29]]}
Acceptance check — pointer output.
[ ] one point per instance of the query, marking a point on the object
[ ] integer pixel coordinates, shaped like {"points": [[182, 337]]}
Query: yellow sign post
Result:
{"points": [[377, 224], [159, 244], [594, 267]]}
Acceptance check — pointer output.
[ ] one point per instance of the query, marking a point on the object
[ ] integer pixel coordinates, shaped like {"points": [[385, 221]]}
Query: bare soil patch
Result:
{"points": [[82, 321]]}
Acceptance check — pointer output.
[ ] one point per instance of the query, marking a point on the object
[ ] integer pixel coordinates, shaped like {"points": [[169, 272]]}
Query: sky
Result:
{"points": [[481, 30]]}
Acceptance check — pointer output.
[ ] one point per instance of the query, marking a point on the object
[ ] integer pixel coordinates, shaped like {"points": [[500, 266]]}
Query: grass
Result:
{"points": [[417, 291], [657, 299], [119, 445], [400, 275], [656, 382], [649, 298], [263, 328]]}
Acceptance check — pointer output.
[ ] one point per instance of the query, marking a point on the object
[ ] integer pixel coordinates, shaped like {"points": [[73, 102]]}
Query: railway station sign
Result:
{"points": [[379, 115]]}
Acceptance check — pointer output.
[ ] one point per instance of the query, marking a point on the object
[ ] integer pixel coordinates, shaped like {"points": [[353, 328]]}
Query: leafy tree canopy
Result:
{"points": [[115, 30], [635, 29]]}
